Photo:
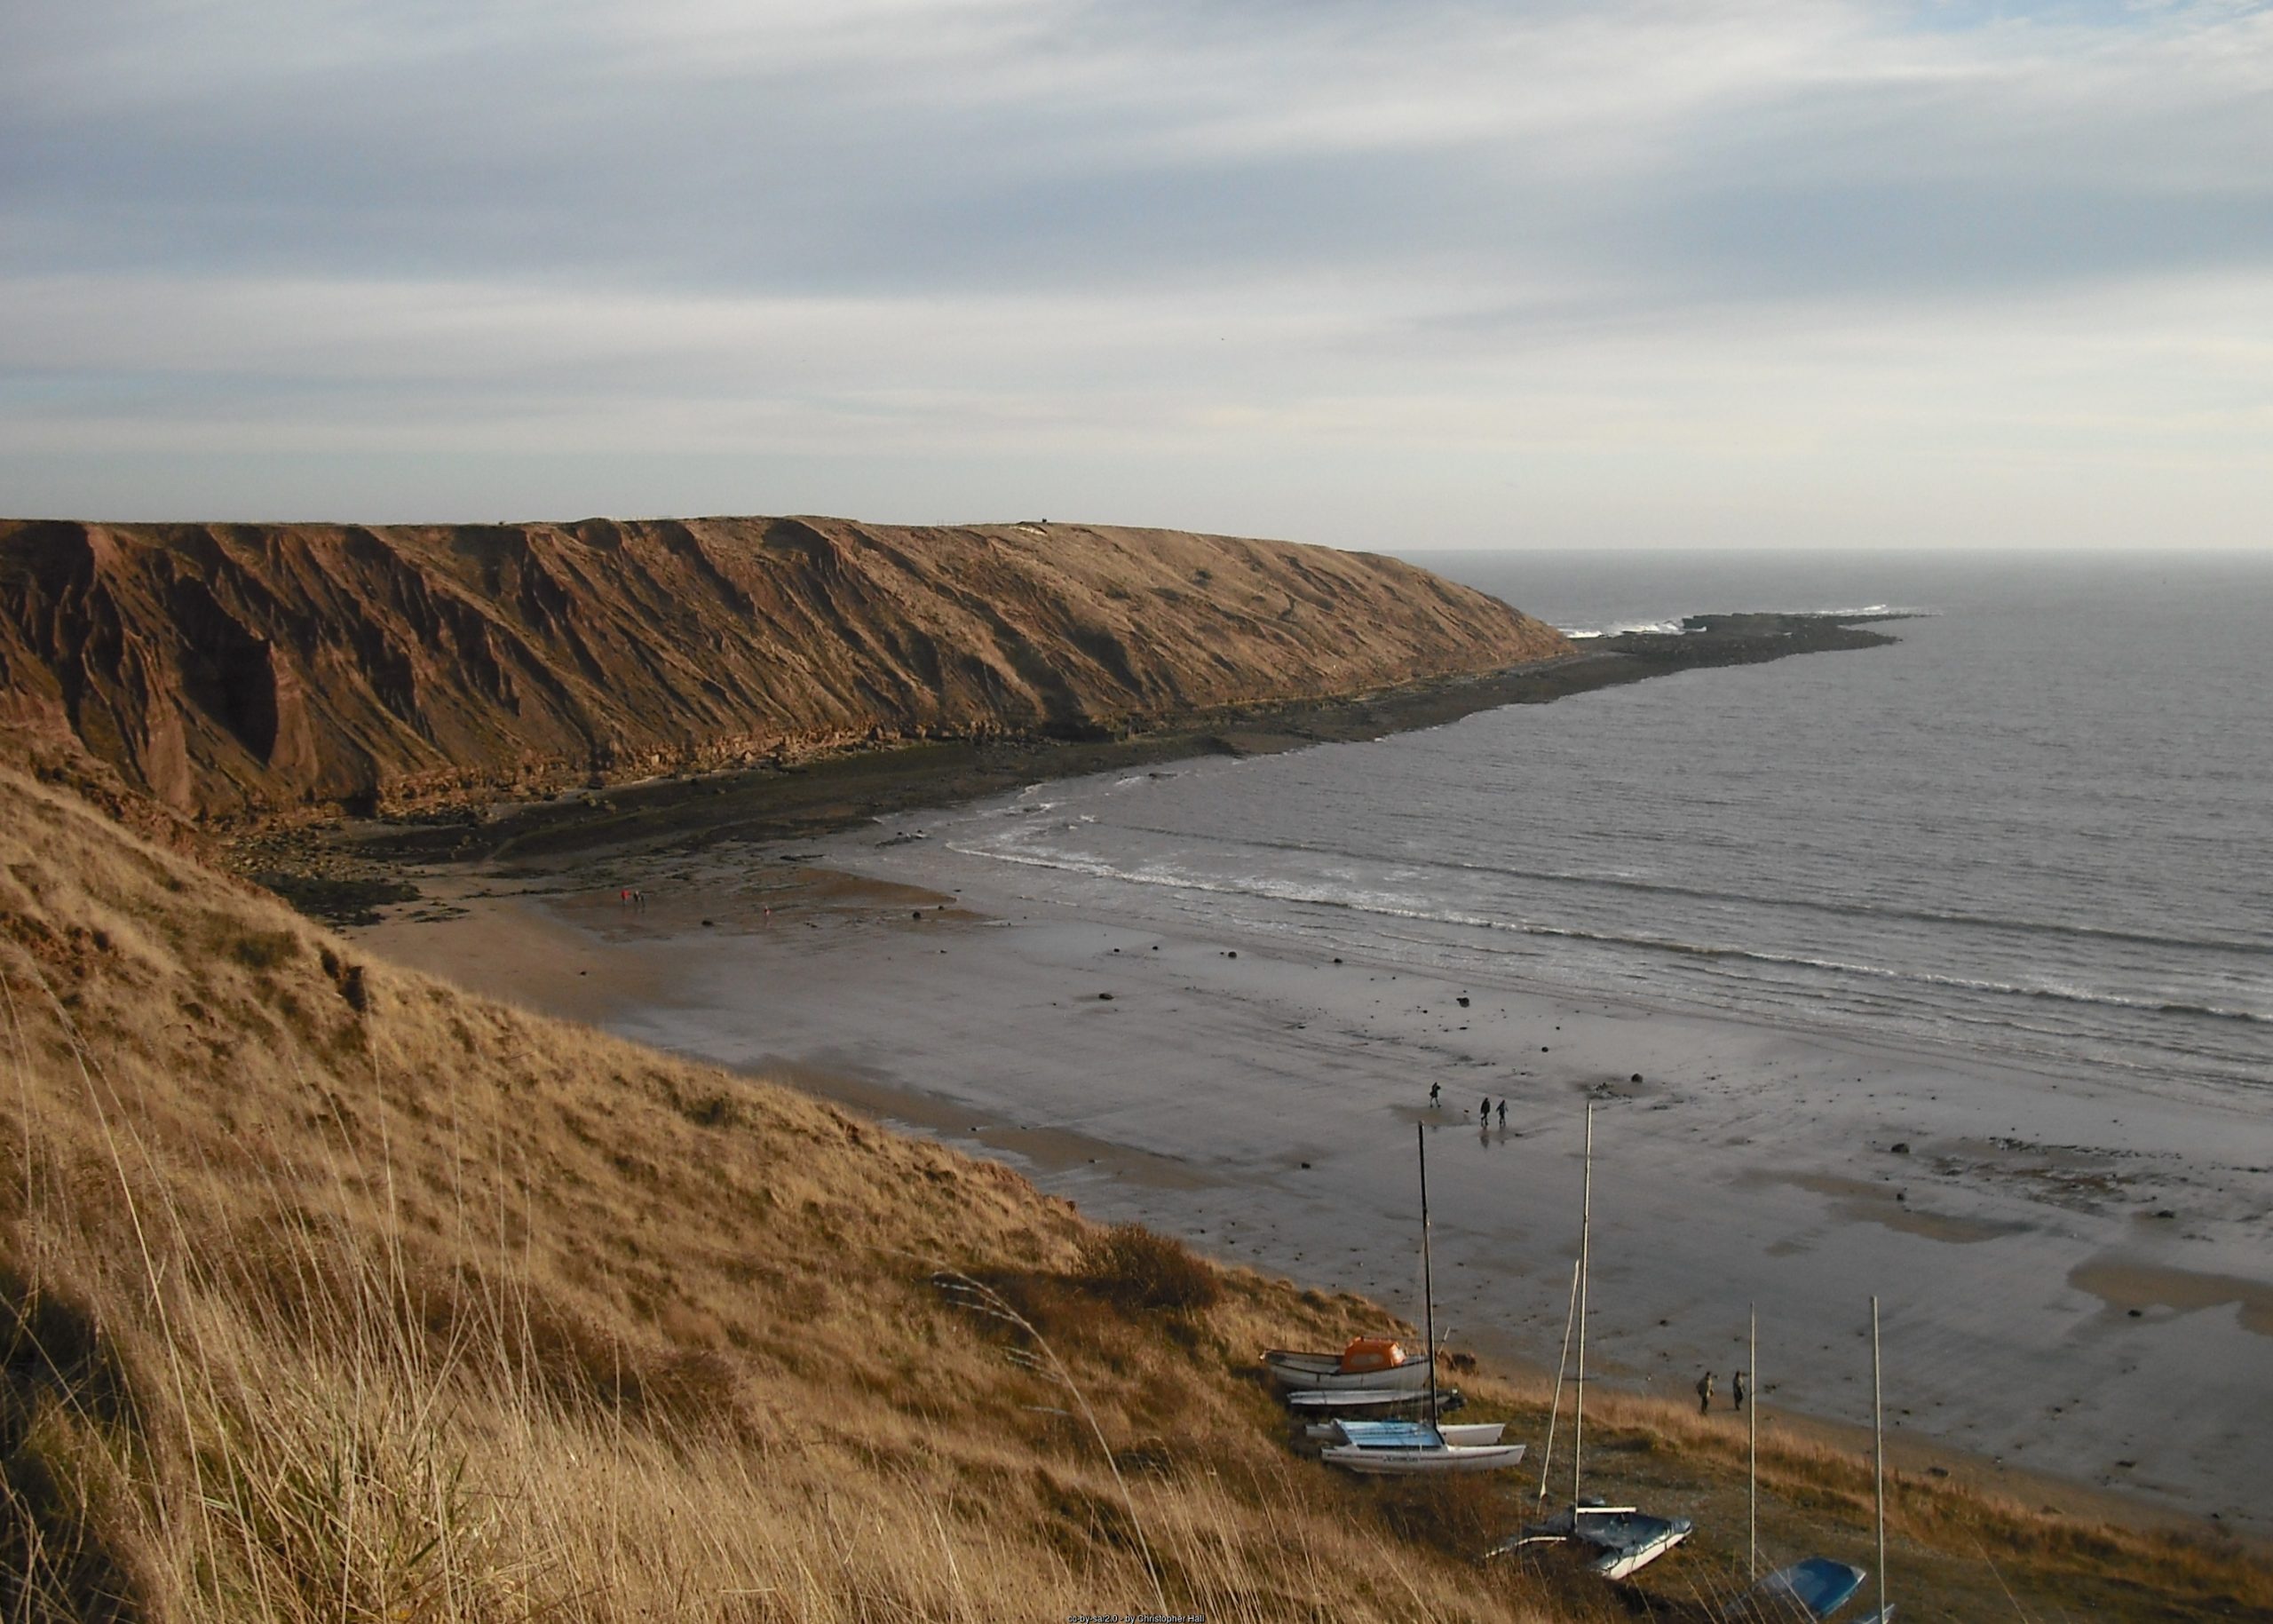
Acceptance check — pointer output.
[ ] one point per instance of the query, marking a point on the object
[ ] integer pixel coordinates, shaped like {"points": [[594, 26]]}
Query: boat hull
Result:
{"points": [[1634, 1543], [1818, 1587], [1323, 1372], [1423, 1462], [1474, 1434], [1332, 1398], [1624, 1539]]}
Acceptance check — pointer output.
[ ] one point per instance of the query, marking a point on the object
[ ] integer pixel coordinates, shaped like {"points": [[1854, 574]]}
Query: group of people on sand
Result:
{"points": [[631, 896], [1483, 1112], [1739, 1388]]}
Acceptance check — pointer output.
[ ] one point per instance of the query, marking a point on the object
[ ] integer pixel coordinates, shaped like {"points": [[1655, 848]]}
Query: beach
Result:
{"points": [[2071, 1275]]}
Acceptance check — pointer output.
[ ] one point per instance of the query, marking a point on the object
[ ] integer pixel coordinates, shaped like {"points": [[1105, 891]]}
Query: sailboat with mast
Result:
{"points": [[1622, 1540], [1426, 1445], [1819, 1587]]}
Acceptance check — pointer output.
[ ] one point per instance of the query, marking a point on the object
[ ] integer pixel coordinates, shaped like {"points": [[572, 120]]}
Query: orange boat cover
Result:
{"points": [[1371, 1353]]}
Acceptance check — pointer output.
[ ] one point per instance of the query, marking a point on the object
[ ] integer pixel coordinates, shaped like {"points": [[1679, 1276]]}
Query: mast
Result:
{"points": [[1751, 1376], [1561, 1368], [1877, 1450], [1586, 1225], [1428, 1284]]}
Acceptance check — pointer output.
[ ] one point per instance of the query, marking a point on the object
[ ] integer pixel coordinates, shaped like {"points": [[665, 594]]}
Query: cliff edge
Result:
{"points": [[234, 672]]}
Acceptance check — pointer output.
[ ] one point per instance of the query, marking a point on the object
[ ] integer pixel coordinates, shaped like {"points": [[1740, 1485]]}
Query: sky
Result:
{"points": [[1413, 273]]}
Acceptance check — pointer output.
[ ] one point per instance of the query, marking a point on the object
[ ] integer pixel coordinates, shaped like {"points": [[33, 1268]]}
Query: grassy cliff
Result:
{"points": [[240, 673]]}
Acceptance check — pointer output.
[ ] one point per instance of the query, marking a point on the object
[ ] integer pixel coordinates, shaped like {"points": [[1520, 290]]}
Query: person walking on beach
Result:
{"points": [[1738, 1390], [1705, 1393], [1503, 1112], [1485, 1110], [1435, 1090]]}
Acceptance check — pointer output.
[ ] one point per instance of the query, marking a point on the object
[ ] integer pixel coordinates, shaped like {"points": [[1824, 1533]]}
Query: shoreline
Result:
{"points": [[341, 871], [1256, 1103]]}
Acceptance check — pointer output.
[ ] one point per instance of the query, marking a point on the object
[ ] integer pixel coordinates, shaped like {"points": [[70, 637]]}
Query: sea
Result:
{"points": [[2040, 825]]}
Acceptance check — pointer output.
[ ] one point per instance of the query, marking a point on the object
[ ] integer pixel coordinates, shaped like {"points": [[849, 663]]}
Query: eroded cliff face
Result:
{"points": [[239, 672]]}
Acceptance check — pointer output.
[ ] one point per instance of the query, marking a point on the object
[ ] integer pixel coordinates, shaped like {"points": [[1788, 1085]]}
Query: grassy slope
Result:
{"points": [[341, 1294], [350, 1294]]}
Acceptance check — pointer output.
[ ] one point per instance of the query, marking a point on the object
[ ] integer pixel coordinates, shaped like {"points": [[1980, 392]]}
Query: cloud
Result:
{"points": [[890, 234]]}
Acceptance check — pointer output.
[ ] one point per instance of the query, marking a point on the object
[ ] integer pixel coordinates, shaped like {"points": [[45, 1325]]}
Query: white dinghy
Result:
{"points": [[1478, 1432], [1318, 1401], [1369, 1365], [1382, 1449]]}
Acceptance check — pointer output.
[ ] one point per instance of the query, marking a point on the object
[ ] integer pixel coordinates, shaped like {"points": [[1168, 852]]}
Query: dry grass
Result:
{"points": [[1132, 1266], [341, 1295], [337, 1294]]}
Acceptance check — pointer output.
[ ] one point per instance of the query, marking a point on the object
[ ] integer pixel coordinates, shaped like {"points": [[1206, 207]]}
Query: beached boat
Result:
{"points": [[1624, 1539], [1426, 1445], [1461, 1434], [1417, 1447], [1627, 1541], [1819, 1587], [1815, 1588], [1317, 1401], [1620, 1539], [1369, 1363]]}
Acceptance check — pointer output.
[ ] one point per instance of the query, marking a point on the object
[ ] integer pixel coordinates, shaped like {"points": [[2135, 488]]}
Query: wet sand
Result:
{"points": [[2073, 1276]]}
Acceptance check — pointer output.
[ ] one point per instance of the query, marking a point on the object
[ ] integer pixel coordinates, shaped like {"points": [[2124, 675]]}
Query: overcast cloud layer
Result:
{"points": [[1405, 274]]}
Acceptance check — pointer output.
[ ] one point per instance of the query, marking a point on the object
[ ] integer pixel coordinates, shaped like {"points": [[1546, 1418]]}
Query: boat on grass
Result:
{"points": [[1368, 1364], [1382, 1449], [1320, 1401], [1423, 1446], [1620, 1539], [1334, 1432], [1815, 1588]]}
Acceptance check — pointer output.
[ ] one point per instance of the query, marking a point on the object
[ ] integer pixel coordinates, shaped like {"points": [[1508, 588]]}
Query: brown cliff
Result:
{"points": [[234, 671]]}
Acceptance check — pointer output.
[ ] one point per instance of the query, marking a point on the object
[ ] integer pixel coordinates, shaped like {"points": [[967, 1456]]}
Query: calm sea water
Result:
{"points": [[2038, 825]]}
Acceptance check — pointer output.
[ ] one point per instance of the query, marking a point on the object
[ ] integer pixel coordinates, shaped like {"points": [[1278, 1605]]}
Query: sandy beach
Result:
{"points": [[2071, 1274]]}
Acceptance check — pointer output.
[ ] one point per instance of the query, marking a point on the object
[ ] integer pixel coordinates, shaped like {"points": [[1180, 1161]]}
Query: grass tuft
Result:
{"points": [[1138, 1268]]}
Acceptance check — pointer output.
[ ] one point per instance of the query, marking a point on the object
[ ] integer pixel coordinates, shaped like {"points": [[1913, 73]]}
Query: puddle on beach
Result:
{"points": [[1871, 1203], [2126, 1285]]}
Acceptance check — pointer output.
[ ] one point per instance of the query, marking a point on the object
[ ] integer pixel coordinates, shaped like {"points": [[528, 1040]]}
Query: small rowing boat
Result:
{"points": [[1462, 1433], [1381, 1448], [1368, 1364], [1320, 1400]]}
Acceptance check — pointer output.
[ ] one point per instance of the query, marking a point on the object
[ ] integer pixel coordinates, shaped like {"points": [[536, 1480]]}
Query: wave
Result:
{"points": [[1360, 903], [1677, 625], [2128, 935], [2053, 992], [1579, 633]]}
